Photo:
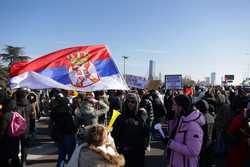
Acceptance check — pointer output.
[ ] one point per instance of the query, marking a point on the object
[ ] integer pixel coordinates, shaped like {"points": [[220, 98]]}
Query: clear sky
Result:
{"points": [[190, 37]]}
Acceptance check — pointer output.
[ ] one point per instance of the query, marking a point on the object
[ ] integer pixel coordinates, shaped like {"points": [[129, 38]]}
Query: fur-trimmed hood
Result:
{"points": [[102, 156]]}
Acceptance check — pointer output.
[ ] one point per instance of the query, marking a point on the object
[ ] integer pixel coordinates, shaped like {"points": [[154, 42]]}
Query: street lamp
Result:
{"points": [[124, 69]]}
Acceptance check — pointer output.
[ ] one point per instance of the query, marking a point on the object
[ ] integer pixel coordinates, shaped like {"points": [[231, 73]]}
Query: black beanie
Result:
{"points": [[185, 102]]}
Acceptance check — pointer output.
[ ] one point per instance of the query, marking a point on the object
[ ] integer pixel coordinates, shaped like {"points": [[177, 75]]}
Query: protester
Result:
{"points": [[24, 107], [223, 117], [103, 104], [239, 135], [148, 106], [9, 145], [98, 151], [158, 106], [206, 156], [130, 132], [32, 97], [62, 129], [186, 138], [89, 113], [116, 99]]}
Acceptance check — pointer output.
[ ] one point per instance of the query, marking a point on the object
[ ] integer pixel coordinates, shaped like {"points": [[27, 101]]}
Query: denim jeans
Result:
{"points": [[66, 147]]}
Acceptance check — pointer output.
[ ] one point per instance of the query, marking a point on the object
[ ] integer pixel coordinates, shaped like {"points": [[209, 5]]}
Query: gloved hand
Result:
{"points": [[165, 140]]}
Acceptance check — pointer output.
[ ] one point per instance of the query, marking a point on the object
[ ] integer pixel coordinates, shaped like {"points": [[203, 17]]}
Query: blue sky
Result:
{"points": [[190, 37]]}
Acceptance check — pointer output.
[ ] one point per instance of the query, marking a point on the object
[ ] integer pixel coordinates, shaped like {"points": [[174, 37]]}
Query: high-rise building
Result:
{"points": [[213, 78], [207, 80], [151, 75], [160, 76]]}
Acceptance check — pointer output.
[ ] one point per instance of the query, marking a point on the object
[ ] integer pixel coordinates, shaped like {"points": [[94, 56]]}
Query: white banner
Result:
{"points": [[136, 81]]}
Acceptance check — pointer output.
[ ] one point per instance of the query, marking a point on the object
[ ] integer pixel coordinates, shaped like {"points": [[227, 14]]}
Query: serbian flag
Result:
{"points": [[83, 68]]}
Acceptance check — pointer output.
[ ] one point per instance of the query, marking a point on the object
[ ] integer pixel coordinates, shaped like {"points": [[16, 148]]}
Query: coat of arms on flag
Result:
{"points": [[82, 72]]}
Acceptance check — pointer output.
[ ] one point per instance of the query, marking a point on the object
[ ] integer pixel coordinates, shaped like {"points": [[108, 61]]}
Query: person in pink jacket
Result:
{"points": [[186, 137]]}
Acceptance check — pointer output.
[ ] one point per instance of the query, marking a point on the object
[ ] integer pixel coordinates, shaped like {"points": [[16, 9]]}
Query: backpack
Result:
{"points": [[18, 125]]}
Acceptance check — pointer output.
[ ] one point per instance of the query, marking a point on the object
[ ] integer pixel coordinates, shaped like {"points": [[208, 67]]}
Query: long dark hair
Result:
{"points": [[185, 102]]}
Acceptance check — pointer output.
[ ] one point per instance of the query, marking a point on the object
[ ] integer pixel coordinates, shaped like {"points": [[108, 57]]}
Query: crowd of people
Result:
{"points": [[205, 126]]}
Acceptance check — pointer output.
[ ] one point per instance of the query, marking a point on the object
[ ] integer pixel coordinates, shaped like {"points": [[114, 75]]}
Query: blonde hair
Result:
{"points": [[97, 135]]}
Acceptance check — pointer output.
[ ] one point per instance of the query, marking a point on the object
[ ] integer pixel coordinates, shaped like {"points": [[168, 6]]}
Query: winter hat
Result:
{"points": [[131, 97], [21, 98], [183, 101], [202, 106]]}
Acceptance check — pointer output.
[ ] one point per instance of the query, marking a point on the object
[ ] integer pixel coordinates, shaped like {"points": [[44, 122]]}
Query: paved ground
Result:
{"points": [[43, 151]]}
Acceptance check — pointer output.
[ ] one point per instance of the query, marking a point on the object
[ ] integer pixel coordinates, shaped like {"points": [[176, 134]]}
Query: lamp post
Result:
{"points": [[124, 69]]}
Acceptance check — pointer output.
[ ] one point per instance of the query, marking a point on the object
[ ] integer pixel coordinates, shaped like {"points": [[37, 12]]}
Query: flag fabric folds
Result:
{"points": [[83, 68]]}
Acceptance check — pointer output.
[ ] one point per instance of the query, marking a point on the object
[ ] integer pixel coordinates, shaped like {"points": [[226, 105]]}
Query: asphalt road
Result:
{"points": [[43, 151]]}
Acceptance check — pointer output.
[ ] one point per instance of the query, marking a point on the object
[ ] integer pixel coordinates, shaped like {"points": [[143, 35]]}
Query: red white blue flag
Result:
{"points": [[83, 68]]}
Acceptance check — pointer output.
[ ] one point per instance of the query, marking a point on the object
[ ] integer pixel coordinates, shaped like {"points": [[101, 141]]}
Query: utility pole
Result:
{"points": [[124, 66]]}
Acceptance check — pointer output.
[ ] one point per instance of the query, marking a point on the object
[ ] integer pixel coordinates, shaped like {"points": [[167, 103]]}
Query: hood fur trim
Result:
{"points": [[117, 160]]}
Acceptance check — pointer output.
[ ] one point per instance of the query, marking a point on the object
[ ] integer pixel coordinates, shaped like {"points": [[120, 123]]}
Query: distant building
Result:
{"points": [[207, 81], [160, 77], [151, 75], [213, 78]]}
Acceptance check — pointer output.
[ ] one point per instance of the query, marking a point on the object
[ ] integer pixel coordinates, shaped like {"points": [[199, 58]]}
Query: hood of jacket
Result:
{"points": [[131, 97], [93, 156], [196, 116]]}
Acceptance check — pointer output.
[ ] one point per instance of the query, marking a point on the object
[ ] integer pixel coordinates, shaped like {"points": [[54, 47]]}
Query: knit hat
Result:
{"points": [[202, 106], [184, 101]]}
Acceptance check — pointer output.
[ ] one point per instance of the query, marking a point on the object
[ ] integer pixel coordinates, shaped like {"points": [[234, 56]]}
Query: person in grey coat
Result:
{"points": [[91, 109]]}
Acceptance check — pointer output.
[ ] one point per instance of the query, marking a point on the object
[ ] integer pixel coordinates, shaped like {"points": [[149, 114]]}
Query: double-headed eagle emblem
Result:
{"points": [[82, 71]]}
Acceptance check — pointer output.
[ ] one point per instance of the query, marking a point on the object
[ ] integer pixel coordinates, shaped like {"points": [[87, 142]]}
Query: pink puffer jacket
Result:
{"points": [[186, 145]]}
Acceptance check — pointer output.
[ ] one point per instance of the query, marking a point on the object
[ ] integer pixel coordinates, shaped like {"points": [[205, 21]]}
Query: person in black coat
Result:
{"points": [[148, 106], [62, 129], [130, 133], [158, 106], [9, 146]]}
